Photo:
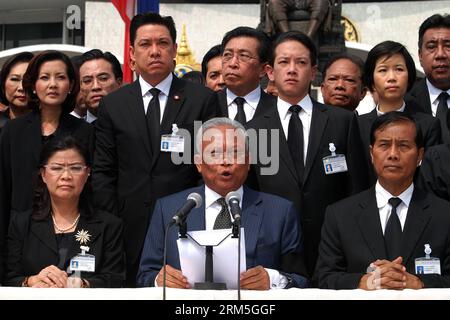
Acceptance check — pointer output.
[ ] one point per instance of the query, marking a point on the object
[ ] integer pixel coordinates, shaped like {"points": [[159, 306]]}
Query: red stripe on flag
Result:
{"points": [[126, 11]]}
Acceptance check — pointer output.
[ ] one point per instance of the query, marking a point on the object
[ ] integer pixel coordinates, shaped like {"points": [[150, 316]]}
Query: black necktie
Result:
{"points": [[393, 231], [153, 116], [223, 220], [240, 115], [443, 115], [295, 140]]}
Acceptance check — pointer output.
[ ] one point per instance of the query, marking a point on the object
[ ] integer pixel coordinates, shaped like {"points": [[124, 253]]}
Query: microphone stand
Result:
{"points": [[237, 234], [165, 261]]}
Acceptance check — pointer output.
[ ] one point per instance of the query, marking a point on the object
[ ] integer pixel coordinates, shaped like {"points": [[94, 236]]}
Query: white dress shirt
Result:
{"points": [[251, 102], [163, 86], [212, 210], [385, 208], [434, 94], [380, 113], [90, 117], [305, 116]]}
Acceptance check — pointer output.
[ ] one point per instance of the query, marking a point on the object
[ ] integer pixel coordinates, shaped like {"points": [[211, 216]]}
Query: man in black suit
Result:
{"points": [[244, 59], [130, 171], [432, 94], [372, 240], [382, 57], [434, 173], [100, 74], [317, 139]]}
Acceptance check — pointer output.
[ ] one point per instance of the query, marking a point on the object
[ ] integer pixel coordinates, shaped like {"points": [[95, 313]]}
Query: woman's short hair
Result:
{"points": [[6, 69], [388, 49], [31, 76]]}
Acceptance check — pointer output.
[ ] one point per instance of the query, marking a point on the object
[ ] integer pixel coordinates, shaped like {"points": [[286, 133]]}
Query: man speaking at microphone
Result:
{"points": [[273, 238]]}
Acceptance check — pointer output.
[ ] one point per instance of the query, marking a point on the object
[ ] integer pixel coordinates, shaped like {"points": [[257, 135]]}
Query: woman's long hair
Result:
{"points": [[41, 196]]}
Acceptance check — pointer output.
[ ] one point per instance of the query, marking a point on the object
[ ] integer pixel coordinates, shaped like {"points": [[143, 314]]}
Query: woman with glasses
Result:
{"points": [[51, 86], [62, 234], [12, 93]]}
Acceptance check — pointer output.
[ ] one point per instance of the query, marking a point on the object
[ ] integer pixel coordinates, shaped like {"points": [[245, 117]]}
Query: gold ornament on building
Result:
{"points": [[350, 32], [185, 59]]}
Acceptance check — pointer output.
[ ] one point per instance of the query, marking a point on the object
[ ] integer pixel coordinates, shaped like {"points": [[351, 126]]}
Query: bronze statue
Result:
{"points": [[275, 15]]}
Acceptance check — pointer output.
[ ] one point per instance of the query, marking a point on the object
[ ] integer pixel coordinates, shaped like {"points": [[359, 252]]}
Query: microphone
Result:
{"points": [[194, 200], [233, 198]]}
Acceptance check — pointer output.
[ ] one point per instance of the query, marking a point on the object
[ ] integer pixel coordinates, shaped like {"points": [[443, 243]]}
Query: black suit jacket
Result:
{"points": [[3, 120], [317, 190], [435, 171], [20, 147], [128, 174], [352, 238], [266, 102], [419, 98], [32, 246], [429, 125]]}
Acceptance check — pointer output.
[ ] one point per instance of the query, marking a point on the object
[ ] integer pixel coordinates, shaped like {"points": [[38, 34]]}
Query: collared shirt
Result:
{"points": [[90, 117], [76, 115], [434, 94], [163, 86], [305, 116], [384, 208], [380, 113], [212, 210], [251, 102]]}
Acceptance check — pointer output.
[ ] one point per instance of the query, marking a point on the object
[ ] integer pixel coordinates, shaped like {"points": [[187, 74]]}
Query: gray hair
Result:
{"points": [[219, 122]]}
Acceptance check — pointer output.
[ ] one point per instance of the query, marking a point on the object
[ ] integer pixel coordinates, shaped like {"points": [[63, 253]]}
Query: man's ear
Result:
{"points": [[371, 153], [269, 71]]}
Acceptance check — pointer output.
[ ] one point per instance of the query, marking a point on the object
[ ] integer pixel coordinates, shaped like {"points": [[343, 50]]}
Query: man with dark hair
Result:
{"points": [[131, 170], [342, 84], [394, 235], [244, 58], [212, 68], [313, 139], [397, 76], [432, 94], [100, 74]]}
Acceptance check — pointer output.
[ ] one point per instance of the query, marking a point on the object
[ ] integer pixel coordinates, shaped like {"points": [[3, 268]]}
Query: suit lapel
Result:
{"points": [[136, 108], [265, 103], [196, 219], [45, 232], [319, 121], [422, 96], [174, 102], [34, 133], [370, 225], [416, 222], [92, 228], [252, 216], [272, 121], [223, 105]]}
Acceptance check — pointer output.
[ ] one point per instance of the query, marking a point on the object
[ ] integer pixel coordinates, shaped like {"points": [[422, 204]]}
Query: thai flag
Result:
{"points": [[127, 9]]}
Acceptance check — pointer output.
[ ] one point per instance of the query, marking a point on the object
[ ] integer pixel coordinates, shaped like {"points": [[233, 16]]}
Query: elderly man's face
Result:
{"points": [[395, 155], [223, 164]]}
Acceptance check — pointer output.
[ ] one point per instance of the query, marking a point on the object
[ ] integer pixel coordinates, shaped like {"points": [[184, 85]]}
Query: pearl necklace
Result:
{"points": [[65, 229]]}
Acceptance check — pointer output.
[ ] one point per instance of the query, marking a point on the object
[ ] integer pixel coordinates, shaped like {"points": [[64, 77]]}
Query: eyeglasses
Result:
{"points": [[241, 56], [57, 169]]}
